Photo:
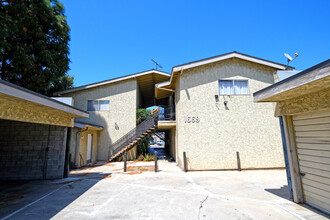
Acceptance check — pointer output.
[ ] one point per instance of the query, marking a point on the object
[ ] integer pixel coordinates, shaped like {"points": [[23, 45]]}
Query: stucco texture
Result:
{"points": [[16, 109], [319, 100], [116, 122], [245, 127]]}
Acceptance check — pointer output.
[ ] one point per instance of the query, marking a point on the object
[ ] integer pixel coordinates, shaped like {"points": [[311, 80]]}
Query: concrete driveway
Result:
{"points": [[105, 192]]}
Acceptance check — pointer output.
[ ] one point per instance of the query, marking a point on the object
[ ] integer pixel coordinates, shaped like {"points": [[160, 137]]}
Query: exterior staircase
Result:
{"points": [[132, 138]]}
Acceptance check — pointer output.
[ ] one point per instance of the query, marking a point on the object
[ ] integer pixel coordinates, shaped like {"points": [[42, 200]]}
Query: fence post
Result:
{"points": [[184, 162], [238, 162], [125, 161], [156, 162]]}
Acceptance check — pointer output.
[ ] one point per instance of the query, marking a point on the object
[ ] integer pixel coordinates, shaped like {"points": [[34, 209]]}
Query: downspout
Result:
{"points": [[76, 155]]}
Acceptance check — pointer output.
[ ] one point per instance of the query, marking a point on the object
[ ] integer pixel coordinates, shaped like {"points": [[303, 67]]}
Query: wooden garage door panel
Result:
{"points": [[320, 166], [315, 171], [317, 184], [313, 146], [313, 140], [317, 191], [324, 160], [318, 127], [320, 153], [319, 202], [313, 121], [316, 178], [312, 115], [312, 132]]}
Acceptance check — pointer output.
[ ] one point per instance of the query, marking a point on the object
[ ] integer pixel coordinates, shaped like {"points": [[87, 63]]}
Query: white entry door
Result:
{"points": [[89, 147]]}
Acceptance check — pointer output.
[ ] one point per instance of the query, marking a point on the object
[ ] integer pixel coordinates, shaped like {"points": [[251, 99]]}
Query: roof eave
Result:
{"points": [[228, 56], [310, 75], [132, 76], [28, 95]]}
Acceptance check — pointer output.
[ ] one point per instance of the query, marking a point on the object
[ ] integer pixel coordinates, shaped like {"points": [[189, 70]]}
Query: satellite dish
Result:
{"points": [[288, 56]]}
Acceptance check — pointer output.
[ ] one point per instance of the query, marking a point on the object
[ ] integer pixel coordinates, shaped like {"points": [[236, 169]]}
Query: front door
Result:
{"points": [[89, 147]]}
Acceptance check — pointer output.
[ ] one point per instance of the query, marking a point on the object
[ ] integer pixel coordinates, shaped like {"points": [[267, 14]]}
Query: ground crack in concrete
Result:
{"points": [[201, 206]]}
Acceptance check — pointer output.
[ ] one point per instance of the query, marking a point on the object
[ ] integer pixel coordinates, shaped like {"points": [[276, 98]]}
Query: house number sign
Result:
{"points": [[193, 119]]}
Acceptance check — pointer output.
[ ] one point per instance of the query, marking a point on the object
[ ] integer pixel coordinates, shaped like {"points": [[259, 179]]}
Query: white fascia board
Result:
{"points": [[111, 81], [15, 92], [228, 56], [166, 83]]}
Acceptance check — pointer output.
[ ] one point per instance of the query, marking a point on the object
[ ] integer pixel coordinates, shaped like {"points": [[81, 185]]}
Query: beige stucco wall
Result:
{"points": [[122, 96], [246, 127], [319, 100]]}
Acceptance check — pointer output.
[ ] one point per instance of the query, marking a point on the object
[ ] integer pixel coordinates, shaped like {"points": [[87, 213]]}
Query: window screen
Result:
{"points": [[104, 105], [233, 87], [98, 105]]}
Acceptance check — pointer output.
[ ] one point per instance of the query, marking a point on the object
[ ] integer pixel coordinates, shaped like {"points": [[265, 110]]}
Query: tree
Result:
{"points": [[142, 114], [34, 45]]}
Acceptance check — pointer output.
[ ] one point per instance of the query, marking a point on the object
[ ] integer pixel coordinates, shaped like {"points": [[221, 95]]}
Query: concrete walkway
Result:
{"points": [[105, 192]]}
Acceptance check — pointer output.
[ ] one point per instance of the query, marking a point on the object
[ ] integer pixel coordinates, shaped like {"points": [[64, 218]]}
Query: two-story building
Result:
{"points": [[213, 118]]}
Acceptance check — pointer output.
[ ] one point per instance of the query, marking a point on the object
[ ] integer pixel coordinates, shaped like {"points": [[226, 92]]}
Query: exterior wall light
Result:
{"points": [[216, 98]]}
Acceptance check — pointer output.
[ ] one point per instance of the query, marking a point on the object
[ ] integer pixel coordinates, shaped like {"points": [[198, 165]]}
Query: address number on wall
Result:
{"points": [[193, 119]]}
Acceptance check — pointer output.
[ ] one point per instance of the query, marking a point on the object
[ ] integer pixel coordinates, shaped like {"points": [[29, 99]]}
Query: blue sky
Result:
{"points": [[115, 38]]}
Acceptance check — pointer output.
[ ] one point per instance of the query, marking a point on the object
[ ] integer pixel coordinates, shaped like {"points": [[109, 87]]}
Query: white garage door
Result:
{"points": [[313, 145]]}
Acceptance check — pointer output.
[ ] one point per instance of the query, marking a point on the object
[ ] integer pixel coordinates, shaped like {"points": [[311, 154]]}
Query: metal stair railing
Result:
{"points": [[128, 138]]}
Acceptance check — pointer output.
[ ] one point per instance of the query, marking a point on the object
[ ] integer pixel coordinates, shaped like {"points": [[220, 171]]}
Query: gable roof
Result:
{"points": [[167, 87], [109, 81], [225, 56]]}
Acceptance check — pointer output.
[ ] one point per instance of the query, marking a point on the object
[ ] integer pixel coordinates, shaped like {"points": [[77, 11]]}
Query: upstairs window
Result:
{"points": [[233, 87], [98, 105]]}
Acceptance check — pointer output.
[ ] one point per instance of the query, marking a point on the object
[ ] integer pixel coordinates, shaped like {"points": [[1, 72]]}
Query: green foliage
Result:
{"points": [[34, 45], [141, 157], [142, 114], [142, 147], [149, 157], [146, 157]]}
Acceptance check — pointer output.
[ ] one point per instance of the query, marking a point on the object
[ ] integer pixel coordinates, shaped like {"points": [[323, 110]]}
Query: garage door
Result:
{"points": [[313, 146]]}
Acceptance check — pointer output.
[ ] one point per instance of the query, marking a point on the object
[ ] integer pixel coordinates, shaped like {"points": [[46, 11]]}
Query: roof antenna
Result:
{"points": [[157, 64], [290, 58]]}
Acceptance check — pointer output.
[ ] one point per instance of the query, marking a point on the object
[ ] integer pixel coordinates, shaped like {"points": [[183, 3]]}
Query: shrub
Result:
{"points": [[149, 157], [142, 147], [141, 158]]}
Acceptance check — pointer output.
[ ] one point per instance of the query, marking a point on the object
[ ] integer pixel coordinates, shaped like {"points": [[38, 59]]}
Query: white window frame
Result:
{"points": [[98, 105], [233, 80]]}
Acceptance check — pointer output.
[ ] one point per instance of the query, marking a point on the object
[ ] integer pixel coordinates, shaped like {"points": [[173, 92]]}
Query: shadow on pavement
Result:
{"points": [[43, 199], [281, 192], [284, 193]]}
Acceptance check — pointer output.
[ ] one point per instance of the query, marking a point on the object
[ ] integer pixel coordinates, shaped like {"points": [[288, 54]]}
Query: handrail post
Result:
{"points": [[156, 162], [125, 161], [184, 162], [238, 161]]}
